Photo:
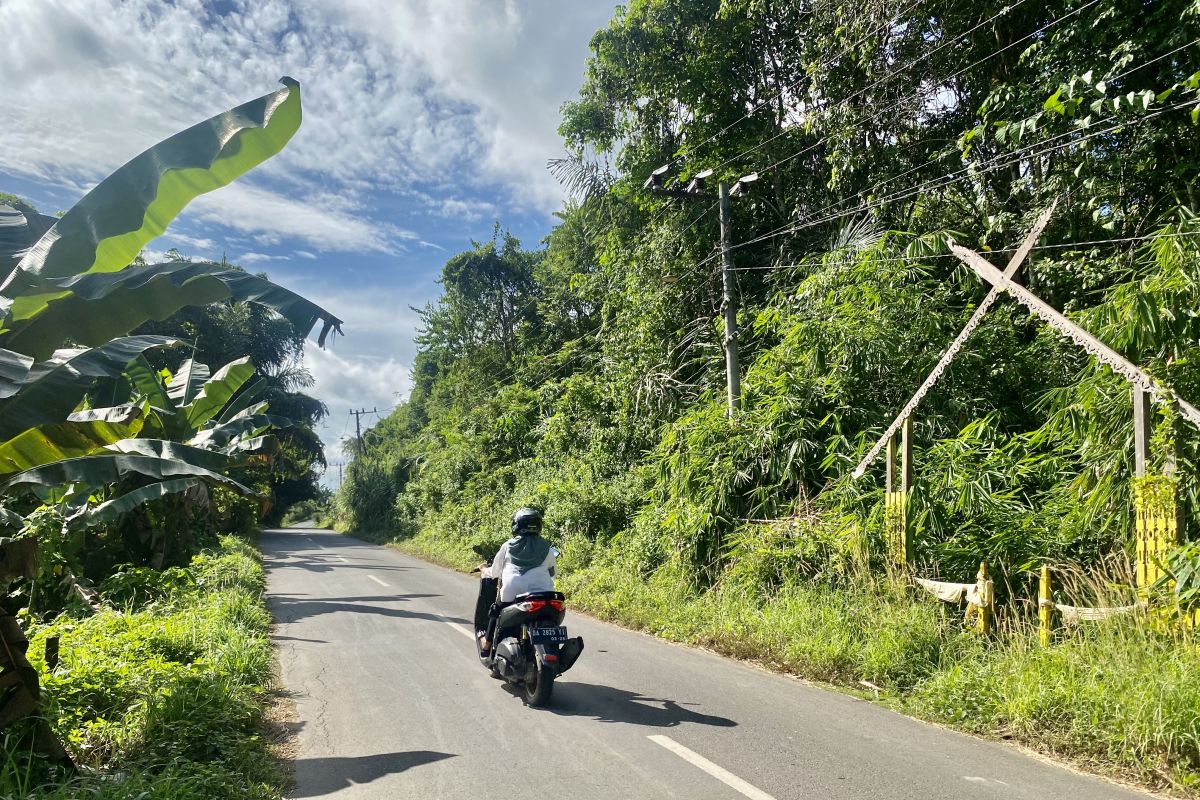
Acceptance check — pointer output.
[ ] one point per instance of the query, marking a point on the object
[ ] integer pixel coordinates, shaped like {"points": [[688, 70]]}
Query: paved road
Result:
{"points": [[393, 704]]}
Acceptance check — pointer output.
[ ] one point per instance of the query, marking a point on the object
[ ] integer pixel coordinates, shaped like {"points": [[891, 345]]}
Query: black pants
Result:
{"points": [[484, 603]]}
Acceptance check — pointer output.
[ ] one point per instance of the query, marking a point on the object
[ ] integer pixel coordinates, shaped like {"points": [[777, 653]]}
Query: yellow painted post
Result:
{"points": [[895, 504], [1045, 607], [986, 606]]}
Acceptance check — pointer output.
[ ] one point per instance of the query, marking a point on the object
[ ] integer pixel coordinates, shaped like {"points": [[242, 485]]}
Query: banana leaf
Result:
{"points": [[244, 399], [161, 448], [14, 369], [112, 466], [186, 382], [51, 390], [250, 425], [91, 309], [149, 385], [217, 391], [112, 509], [19, 231], [83, 433], [105, 230]]}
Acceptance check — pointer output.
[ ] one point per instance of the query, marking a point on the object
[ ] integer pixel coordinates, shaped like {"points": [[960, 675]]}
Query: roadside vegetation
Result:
{"points": [[587, 375], [148, 412], [160, 693]]}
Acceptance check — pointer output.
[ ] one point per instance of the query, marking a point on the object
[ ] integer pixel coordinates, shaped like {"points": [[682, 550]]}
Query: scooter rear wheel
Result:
{"points": [[537, 692]]}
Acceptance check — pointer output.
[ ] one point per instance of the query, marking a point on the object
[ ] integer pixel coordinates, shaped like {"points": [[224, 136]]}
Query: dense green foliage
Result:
{"points": [[587, 376], [114, 472], [163, 689]]}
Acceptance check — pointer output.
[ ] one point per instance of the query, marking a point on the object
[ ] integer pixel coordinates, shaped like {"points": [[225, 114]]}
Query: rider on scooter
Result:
{"points": [[525, 563]]}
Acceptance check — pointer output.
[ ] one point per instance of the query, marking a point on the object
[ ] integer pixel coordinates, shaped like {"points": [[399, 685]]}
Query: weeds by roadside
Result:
{"points": [[162, 699]]}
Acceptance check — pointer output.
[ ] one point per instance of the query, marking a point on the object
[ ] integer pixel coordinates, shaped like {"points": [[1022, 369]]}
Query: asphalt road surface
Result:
{"points": [[392, 703]]}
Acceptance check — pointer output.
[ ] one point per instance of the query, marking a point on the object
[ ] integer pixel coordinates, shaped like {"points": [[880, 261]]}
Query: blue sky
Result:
{"points": [[425, 122]]}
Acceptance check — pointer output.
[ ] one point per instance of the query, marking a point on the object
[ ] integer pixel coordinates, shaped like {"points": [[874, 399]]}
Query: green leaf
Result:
{"points": [[91, 309], [217, 391], [147, 382], [118, 506], [239, 426], [81, 435], [53, 388], [110, 467], [14, 369], [185, 384], [105, 230], [166, 450], [1054, 103], [244, 399]]}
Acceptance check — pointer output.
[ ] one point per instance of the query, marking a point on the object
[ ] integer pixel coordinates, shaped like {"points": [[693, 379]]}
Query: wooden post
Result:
{"points": [[1045, 607], [1141, 431], [985, 609], [895, 508], [1155, 507]]}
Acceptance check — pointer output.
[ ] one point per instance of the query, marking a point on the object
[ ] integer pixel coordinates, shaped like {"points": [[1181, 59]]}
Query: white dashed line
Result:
{"points": [[343, 560], [723, 775], [463, 629], [381, 583]]}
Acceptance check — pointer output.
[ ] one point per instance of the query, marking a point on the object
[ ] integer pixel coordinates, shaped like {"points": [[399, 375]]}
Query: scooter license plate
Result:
{"points": [[547, 635]]}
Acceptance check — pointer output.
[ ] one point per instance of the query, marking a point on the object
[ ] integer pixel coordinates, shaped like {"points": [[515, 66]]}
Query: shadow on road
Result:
{"points": [[291, 608], [311, 564], [316, 777], [606, 704]]}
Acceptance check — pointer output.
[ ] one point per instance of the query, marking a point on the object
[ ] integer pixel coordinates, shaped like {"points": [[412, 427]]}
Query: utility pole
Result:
{"points": [[733, 375], [358, 425], [695, 191]]}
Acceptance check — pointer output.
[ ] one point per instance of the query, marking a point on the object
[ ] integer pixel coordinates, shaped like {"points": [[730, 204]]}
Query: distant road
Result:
{"points": [[392, 703]]}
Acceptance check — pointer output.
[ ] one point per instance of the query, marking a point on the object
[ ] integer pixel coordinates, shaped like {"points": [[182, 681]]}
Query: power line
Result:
{"points": [[1029, 118], [937, 84], [999, 250], [946, 180], [820, 68], [899, 70]]}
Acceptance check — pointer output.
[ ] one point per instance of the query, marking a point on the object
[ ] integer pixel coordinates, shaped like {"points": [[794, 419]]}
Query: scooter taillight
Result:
{"points": [[529, 606]]}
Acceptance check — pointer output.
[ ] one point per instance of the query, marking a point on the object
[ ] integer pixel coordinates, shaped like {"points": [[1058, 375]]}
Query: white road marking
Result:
{"points": [[343, 560], [723, 775], [463, 629], [381, 583]]}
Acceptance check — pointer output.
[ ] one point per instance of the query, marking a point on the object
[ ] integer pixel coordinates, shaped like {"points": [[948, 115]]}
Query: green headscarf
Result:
{"points": [[527, 552]]}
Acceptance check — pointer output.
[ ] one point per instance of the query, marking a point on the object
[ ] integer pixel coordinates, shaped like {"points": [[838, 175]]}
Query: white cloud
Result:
{"points": [[467, 210], [270, 217], [444, 93], [256, 258]]}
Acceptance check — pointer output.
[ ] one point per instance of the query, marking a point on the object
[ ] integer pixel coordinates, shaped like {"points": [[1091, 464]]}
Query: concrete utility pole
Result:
{"points": [[358, 425], [695, 191], [733, 374]]}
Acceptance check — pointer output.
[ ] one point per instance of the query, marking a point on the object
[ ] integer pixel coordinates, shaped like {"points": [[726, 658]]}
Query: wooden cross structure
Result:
{"points": [[1156, 515]]}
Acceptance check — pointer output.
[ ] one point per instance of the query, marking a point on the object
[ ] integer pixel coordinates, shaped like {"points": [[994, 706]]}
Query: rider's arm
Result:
{"points": [[497, 567], [551, 558]]}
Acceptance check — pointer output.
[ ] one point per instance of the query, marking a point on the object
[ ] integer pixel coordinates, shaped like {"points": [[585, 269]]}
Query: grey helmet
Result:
{"points": [[527, 521]]}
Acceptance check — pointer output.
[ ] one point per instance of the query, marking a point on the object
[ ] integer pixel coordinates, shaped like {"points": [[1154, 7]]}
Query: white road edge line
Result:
{"points": [[723, 775], [381, 583]]}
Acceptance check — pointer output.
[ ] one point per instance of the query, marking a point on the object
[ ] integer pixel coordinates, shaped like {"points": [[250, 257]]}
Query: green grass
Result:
{"points": [[165, 701], [1120, 698]]}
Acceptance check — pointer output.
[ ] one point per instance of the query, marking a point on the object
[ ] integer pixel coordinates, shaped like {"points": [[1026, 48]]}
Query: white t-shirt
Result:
{"points": [[513, 583]]}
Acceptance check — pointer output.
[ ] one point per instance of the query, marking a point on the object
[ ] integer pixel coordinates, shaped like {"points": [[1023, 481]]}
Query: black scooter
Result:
{"points": [[528, 643]]}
